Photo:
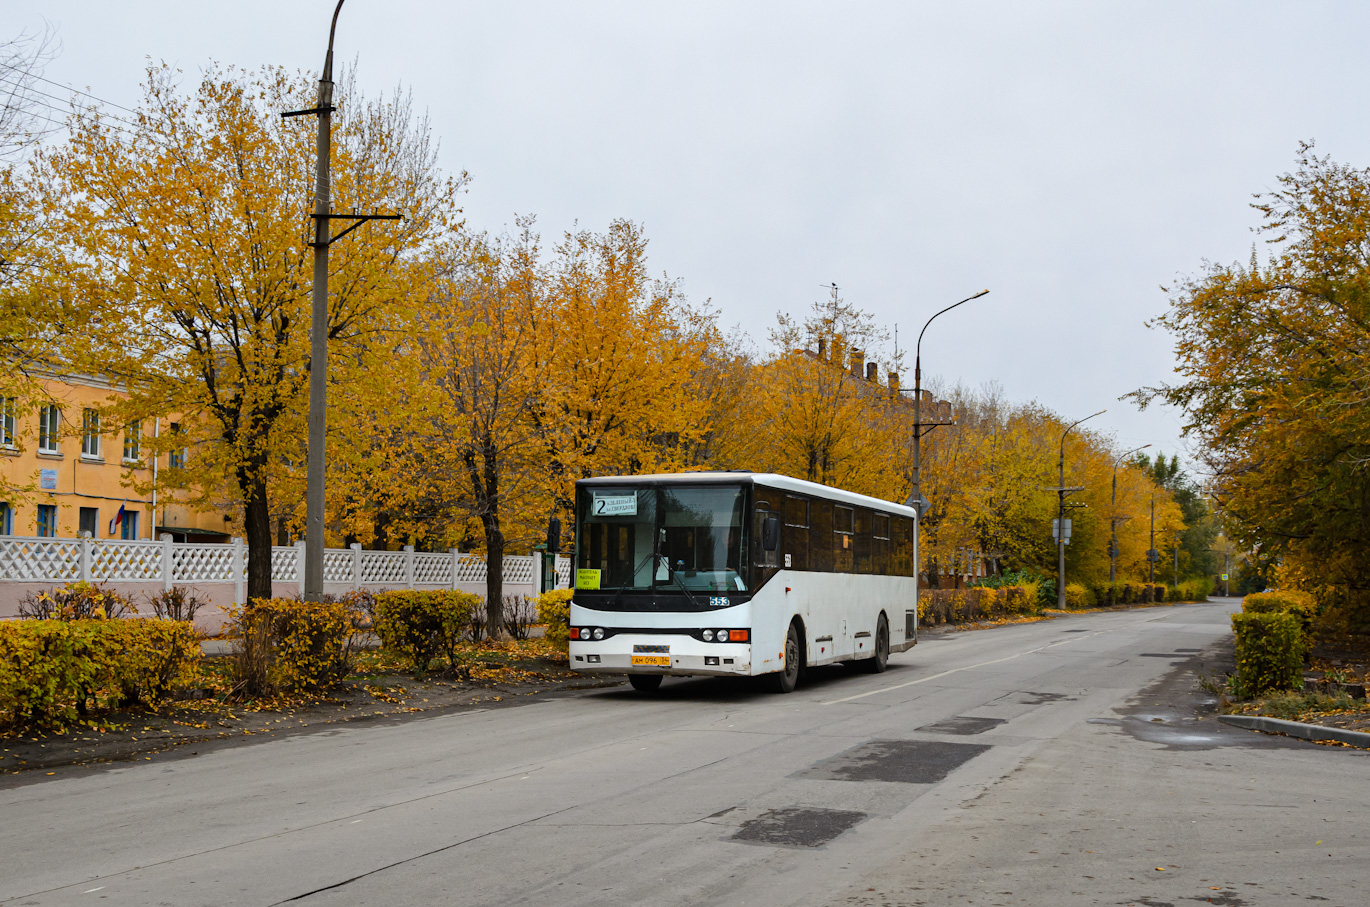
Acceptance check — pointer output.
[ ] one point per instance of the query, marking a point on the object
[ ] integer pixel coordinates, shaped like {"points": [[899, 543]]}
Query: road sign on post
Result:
{"points": [[1056, 530], [1153, 555]]}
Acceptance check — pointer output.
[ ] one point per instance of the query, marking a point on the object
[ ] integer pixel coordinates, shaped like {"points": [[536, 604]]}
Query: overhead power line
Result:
{"points": [[68, 88]]}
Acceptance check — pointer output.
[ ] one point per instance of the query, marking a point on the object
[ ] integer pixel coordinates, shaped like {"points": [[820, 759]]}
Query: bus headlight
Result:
{"points": [[708, 635], [599, 632], [722, 635]]}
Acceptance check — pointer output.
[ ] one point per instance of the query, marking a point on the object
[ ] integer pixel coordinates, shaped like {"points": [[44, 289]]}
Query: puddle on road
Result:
{"points": [[1175, 712]]}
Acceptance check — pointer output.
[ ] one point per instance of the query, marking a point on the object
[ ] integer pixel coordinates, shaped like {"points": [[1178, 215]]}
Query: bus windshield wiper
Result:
{"points": [[633, 576], [679, 582]]}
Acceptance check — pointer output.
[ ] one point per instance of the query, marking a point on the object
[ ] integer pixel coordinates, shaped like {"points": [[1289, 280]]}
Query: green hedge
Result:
{"points": [[1270, 648], [52, 672], [420, 626]]}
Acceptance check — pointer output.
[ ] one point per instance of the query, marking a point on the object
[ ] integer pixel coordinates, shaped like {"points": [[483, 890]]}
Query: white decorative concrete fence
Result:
{"points": [[27, 563]]}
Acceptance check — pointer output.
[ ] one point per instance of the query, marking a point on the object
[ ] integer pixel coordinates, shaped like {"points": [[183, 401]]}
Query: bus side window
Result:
{"points": [[864, 561], [880, 545], [820, 533], [903, 546], [843, 527], [796, 544]]}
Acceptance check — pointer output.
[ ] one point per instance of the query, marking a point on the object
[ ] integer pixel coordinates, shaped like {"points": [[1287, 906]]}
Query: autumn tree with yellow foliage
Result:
{"points": [[187, 242], [1275, 372]]}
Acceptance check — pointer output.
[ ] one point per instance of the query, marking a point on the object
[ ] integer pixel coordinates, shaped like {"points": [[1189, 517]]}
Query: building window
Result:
{"points": [[6, 518], [90, 433], [47, 520], [8, 407], [90, 521], [133, 440], [49, 422], [176, 459], [128, 527]]}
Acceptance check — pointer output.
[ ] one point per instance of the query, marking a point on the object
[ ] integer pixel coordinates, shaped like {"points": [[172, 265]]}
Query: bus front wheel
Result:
{"points": [[877, 663], [784, 681], [645, 683]]}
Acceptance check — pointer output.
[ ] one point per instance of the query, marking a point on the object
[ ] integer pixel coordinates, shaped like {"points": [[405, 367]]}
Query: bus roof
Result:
{"points": [[766, 479]]}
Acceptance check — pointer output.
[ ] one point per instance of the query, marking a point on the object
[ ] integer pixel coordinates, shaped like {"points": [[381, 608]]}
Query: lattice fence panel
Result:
{"points": [[433, 569], [383, 567], [563, 572], [201, 564], [285, 566], [127, 561], [337, 566], [518, 569], [48, 560], [470, 568]]}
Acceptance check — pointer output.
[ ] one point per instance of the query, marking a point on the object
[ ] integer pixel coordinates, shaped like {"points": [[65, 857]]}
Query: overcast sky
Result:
{"points": [[1071, 157]]}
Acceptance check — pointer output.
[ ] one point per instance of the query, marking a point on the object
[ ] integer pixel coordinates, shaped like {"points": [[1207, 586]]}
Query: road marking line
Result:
{"points": [[982, 664]]}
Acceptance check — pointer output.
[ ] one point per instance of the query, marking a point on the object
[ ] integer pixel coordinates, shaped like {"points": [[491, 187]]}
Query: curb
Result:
{"points": [[1297, 729]]}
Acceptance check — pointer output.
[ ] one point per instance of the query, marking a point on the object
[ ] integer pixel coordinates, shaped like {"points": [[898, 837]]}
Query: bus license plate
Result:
{"points": [[656, 661]]}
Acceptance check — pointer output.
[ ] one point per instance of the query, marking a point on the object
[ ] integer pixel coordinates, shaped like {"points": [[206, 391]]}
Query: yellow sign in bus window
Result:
{"points": [[587, 579]]}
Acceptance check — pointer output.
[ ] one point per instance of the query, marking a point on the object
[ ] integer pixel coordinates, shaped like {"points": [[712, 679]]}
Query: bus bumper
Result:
{"points": [[624, 654]]}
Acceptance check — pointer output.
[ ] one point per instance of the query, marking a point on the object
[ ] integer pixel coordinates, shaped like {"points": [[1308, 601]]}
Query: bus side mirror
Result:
{"points": [[770, 533]]}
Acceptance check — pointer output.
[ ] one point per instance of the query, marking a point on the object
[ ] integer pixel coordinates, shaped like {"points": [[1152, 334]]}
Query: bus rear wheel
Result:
{"points": [[784, 681], [877, 663], [645, 683]]}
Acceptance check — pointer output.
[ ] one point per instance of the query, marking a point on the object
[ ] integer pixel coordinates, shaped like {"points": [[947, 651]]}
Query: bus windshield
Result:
{"points": [[662, 539]]}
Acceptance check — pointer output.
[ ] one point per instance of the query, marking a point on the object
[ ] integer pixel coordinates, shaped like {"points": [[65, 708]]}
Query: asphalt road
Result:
{"points": [[1051, 763]]}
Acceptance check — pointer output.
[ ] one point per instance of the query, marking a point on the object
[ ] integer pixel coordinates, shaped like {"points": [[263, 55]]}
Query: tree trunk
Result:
{"points": [[257, 526], [494, 546], [494, 578]]}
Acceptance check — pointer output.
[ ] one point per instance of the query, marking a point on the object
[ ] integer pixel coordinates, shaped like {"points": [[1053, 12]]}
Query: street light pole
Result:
{"points": [[318, 327], [1061, 515], [917, 493], [318, 334], [1113, 526]]}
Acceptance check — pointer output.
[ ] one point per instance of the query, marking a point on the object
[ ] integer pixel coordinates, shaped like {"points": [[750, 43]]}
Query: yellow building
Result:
{"points": [[78, 474]]}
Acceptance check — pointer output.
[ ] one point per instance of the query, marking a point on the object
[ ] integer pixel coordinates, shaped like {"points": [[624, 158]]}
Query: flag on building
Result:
{"points": [[117, 521]]}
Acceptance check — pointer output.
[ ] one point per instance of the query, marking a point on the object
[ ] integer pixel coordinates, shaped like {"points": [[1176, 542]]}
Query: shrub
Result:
{"points": [[1191, 590], [554, 613], [1270, 647], [520, 613], [362, 604], [1021, 599], [420, 626], [177, 603], [1299, 604], [1046, 593], [1077, 596], [52, 671], [76, 601], [290, 644]]}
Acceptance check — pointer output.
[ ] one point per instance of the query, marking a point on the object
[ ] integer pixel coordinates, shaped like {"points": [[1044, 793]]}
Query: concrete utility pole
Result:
{"points": [[1175, 552], [915, 498], [1061, 491], [1151, 552], [318, 330]]}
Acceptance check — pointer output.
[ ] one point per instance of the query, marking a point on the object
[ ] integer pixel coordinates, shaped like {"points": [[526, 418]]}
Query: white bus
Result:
{"points": [[738, 573]]}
